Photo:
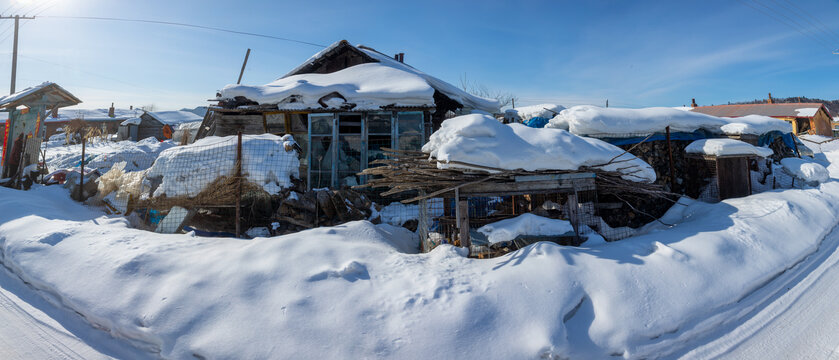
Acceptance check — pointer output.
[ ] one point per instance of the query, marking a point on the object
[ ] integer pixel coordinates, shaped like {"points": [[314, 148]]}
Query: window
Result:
{"points": [[349, 149], [410, 130], [321, 150], [379, 135]]}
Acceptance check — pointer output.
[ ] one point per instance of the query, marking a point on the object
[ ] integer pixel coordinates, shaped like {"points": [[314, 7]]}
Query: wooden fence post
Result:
{"points": [[239, 184], [81, 181]]}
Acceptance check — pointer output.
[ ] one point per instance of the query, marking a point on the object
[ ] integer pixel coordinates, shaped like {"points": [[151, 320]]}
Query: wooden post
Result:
{"points": [[81, 181], [422, 227], [239, 184], [20, 165], [242, 72], [463, 223], [670, 156]]}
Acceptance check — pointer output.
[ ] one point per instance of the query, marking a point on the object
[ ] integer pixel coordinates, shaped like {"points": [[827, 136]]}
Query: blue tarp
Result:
{"points": [[536, 122], [788, 139]]}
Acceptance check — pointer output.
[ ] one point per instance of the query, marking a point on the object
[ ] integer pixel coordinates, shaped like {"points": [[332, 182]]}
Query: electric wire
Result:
{"points": [[173, 23], [780, 20], [816, 32]]}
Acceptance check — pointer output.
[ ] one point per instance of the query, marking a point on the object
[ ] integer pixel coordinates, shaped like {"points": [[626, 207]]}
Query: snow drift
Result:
{"points": [[726, 147], [482, 140]]}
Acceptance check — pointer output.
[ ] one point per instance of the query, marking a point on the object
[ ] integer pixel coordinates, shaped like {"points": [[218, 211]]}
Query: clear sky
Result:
{"points": [[634, 53]]}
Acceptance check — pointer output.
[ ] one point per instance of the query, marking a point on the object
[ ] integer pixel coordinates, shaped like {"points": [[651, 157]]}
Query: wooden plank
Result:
{"points": [[524, 188], [732, 178]]}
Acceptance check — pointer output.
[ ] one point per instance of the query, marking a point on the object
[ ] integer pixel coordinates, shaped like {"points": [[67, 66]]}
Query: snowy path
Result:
{"points": [[801, 321], [31, 328]]}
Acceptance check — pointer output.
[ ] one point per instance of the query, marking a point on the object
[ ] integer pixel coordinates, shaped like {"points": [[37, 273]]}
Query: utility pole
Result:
{"points": [[14, 49]]}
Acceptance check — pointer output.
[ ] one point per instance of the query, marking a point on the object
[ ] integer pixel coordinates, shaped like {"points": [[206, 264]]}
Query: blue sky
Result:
{"points": [[634, 53]]}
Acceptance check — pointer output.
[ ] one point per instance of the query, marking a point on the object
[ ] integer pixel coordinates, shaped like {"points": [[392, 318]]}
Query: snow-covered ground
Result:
{"points": [[704, 287]]}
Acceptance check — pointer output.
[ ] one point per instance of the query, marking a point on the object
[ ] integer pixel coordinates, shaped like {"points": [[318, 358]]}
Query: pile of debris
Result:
{"points": [[300, 210]]}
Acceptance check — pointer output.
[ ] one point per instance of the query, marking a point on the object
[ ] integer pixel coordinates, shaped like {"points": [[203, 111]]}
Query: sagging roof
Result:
{"points": [[346, 77], [55, 95], [774, 110]]}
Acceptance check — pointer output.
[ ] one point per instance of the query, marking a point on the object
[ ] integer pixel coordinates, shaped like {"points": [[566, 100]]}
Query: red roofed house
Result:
{"points": [[809, 118]]}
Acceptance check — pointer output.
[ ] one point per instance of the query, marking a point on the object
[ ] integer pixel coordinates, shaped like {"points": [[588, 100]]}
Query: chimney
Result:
{"points": [[693, 103], [400, 57], [111, 111], [770, 101], [131, 107]]}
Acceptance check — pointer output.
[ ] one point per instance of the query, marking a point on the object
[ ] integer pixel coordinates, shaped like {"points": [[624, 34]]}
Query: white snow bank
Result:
{"points": [[615, 122], [482, 140], [525, 224], [102, 155], [524, 113], [809, 171], [350, 292], [726, 147], [187, 170]]}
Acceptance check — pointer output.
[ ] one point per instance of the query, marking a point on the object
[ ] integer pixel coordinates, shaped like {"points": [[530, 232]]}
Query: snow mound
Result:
{"points": [[482, 140], [102, 155], [726, 147], [524, 113], [811, 172], [526, 224], [187, 170], [615, 122]]}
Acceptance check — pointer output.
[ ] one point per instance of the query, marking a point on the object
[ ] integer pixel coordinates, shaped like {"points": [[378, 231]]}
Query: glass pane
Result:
{"points": [[276, 123], [298, 123], [379, 123], [349, 160], [321, 123], [349, 124], [375, 143], [410, 123], [321, 158], [411, 142]]}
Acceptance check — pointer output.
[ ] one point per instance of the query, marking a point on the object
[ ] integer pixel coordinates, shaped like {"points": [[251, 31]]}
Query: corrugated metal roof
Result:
{"points": [[786, 110]]}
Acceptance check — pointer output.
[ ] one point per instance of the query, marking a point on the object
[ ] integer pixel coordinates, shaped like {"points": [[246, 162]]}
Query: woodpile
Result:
{"points": [[299, 211]]}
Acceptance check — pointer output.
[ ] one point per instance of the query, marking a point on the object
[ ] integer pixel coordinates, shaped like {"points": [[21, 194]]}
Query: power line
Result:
{"points": [[184, 25], [780, 20], [803, 25], [816, 18]]}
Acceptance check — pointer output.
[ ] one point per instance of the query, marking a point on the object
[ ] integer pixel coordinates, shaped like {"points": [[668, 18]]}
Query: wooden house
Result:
{"points": [[27, 110], [159, 124], [343, 105], [806, 118]]}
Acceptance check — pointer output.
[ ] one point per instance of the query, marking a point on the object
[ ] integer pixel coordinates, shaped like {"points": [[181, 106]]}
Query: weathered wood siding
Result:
{"points": [[734, 177], [226, 125]]}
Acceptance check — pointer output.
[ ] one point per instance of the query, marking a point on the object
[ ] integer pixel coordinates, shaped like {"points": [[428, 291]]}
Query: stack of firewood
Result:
{"points": [[314, 208]]}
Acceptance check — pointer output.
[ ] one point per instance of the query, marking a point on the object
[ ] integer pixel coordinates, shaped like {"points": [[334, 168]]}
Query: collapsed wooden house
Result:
{"points": [[27, 110], [344, 105]]}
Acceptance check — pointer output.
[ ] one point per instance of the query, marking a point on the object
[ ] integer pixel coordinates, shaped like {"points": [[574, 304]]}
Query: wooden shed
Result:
{"points": [[730, 163], [27, 110], [159, 125]]}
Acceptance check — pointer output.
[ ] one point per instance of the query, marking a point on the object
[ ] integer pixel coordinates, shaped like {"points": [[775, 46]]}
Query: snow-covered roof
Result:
{"points": [[780, 110], [524, 113], [726, 147], [132, 121], [174, 117], [618, 122], [55, 94], [369, 86], [93, 115], [482, 140]]}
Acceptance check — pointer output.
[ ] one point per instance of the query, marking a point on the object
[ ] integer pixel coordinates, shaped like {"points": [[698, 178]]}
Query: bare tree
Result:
{"points": [[149, 107], [473, 87]]}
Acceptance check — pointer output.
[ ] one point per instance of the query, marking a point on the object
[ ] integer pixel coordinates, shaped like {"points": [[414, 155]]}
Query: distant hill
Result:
{"points": [[832, 105]]}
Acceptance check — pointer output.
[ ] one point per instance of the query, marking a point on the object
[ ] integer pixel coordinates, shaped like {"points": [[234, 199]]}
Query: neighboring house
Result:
{"points": [[158, 124], [106, 119], [343, 105], [806, 118]]}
